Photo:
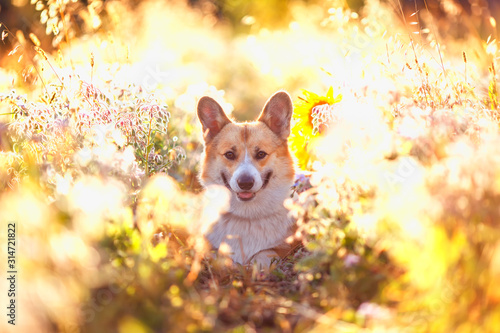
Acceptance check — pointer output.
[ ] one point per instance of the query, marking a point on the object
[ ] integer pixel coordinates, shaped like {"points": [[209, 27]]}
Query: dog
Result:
{"points": [[253, 161]]}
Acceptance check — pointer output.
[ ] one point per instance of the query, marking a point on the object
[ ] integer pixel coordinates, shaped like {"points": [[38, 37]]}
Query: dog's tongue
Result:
{"points": [[245, 195]]}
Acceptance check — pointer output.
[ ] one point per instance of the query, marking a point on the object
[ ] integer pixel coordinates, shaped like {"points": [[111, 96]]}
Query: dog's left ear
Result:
{"points": [[277, 114]]}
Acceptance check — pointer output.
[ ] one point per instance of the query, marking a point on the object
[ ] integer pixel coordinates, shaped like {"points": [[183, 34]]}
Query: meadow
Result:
{"points": [[395, 134]]}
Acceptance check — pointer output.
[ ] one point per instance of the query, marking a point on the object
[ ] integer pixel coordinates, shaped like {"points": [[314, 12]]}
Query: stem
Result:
{"points": [[57, 75], [465, 65], [147, 148], [433, 30]]}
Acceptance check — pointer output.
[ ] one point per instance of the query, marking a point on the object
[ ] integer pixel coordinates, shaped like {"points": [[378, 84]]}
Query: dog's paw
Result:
{"points": [[263, 259]]}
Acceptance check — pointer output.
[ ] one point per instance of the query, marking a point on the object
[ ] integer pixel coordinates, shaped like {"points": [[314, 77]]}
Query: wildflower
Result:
{"points": [[301, 182], [299, 179], [373, 311], [313, 114], [351, 260]]}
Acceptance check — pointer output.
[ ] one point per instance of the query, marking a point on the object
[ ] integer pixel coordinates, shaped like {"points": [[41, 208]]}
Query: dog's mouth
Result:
{"points": [[247, 195]]}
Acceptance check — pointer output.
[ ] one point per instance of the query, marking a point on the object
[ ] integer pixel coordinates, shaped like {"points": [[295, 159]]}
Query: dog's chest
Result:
{"points": [[247, 237]]}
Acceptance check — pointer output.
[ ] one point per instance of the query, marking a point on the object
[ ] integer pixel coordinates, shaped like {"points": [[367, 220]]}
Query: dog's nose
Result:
{"points": [[245, 182]]}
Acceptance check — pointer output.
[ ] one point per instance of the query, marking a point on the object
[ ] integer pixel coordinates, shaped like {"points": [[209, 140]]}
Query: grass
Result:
{"points": [[397, 197]]}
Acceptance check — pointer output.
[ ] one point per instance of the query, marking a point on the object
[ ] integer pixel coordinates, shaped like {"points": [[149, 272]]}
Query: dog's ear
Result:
{"points": [[212, 117], [277, 114]]}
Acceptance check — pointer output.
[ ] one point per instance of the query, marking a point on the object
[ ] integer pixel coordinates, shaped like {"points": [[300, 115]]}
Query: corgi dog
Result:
{"points": [[253, 161]]}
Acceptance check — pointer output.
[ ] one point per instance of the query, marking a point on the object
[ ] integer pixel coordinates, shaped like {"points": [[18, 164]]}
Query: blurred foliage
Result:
{"points": [[397, 129], [242, 13]]}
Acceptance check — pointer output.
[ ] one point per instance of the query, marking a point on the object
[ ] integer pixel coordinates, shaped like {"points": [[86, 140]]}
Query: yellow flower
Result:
{"points": [[311, 114]]}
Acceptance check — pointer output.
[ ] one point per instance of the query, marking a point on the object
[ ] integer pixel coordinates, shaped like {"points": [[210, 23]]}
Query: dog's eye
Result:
{"points": [[230, 155], [260, 155]]}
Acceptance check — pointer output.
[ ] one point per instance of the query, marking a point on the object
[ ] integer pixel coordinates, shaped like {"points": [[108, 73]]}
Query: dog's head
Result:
{"points": [[251, 159]]}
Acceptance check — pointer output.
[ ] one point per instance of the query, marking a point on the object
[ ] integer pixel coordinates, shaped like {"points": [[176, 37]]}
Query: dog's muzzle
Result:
{"points": [[245, 183]]}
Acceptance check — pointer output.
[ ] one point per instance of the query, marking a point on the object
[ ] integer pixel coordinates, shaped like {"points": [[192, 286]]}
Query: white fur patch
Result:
{"points": [[256, 225], [247, 237]]}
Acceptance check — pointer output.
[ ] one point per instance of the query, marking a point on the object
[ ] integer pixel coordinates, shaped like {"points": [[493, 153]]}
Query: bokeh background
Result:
{"points": [[395, 134]]}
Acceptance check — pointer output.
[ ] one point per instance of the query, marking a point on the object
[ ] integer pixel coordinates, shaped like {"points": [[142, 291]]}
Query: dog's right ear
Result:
{"points": [[212, 117]]}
